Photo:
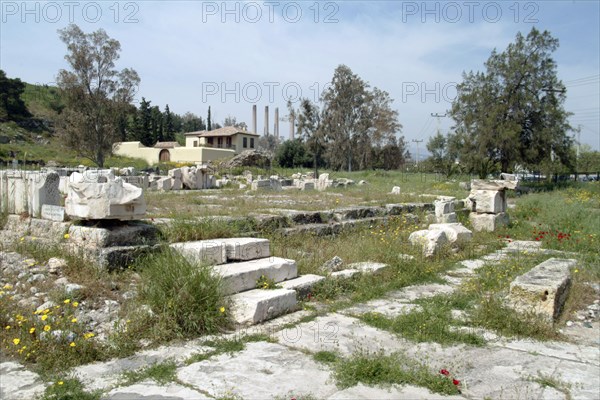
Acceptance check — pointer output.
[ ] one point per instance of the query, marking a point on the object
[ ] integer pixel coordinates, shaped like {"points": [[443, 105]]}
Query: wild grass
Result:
{"points": [[161, 373], [69, 389], [185, 298], [389, 369]]}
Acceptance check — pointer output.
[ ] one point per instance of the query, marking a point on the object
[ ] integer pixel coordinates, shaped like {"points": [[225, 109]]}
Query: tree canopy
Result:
{"points": [[95, 92], [513, 112]]}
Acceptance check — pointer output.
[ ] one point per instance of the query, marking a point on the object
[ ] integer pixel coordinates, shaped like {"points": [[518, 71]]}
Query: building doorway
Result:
{"points": [[164, 155]]}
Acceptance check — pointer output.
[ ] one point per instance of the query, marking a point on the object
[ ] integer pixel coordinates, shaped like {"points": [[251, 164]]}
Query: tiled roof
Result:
{"points": [[225, 131]]}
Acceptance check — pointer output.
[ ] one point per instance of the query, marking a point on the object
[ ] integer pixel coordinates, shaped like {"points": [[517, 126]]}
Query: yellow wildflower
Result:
{"points": [[60, 383], [222, 309], [75, 304], [72, 344], [88, 335], [67, 301], [74, 320], [44, 317], [31, 330], [16, 341], [66, 236], [47, 328]]}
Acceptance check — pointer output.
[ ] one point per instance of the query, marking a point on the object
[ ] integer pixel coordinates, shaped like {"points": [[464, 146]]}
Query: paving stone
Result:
{"points": [[17, 383], [412, 293], [242, 276], [261, 371], [344, 274], [369, 267], [361, 391], [390, 308], [340, 333], [258, 305], [103, 375], [150, 390]]}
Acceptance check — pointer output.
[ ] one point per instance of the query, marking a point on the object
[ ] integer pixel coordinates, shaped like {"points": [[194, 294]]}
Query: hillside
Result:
{"points": [[33, 141]]}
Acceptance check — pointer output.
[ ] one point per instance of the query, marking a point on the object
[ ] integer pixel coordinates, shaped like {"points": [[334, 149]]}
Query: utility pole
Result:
{"points": [[438, 116], [417, 141]]}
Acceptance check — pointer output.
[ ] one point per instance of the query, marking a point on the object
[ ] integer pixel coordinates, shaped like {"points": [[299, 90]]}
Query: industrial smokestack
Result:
{"points": [[276, 122], [254, 118], [266, 120]]}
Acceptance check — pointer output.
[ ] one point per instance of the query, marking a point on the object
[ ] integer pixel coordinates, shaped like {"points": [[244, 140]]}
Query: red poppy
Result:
{"points": [[456, 382], [444, 372]]}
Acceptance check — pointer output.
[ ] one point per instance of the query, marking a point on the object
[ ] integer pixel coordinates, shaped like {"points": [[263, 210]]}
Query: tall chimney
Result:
{"points": [[254, 118], [276, 122], [266, 120], [291, 127]]}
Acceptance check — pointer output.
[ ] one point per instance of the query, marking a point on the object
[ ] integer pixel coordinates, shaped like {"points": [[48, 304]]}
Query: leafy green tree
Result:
{"points": [[95, 93], [192, 123], [514, 111], [292, 154], [310, 129], [12, 107], [345, 114]]}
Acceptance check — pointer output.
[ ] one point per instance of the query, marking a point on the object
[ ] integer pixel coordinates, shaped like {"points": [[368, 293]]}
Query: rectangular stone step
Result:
{"points": [[208, 252], [303, 284], [255, 306], [244, 249], [242, 276], [543, 289]]}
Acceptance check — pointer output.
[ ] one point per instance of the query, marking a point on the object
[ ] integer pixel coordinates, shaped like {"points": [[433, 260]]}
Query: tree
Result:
{"points": [[143, 124], [292, 154], [12, 106], [345, 114], [156, 124], [356, 120], [95, 92], [513, 112], [208, 121], [190, 122], [310, 129], [169, 125]]}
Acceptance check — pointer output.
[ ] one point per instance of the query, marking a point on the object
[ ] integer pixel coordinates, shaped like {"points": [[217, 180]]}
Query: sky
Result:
{"points": [[230, 55]]}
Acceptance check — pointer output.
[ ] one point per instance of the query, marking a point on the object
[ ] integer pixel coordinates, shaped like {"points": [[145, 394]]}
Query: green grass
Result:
{"points": [[68, 389], [554, 383], [183, 230], [326, 357], [396, 368], [186, 299], [162, 373], [432, 324]]}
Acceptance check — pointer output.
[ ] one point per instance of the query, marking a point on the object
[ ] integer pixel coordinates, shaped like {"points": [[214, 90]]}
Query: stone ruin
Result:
{"points": [[105, 198], [487, 203]]}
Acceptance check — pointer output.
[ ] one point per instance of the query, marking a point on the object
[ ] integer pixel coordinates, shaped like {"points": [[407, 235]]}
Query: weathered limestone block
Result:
{"points": [[175, 173], [307, 185], [489, 201], [257, 305], [447, 218], [164, 184], [444, 207], [430, 240], [396, 190], [488, 222], [208, 252], [43, 189], [455, 232], [544, 289], [481, 184], [244, 249], [176, 184], [112, 199], [126, 234]]}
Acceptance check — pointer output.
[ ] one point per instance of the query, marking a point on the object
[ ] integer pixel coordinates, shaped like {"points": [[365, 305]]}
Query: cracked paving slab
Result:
{"points": [[260, 371], [149, 390]]}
